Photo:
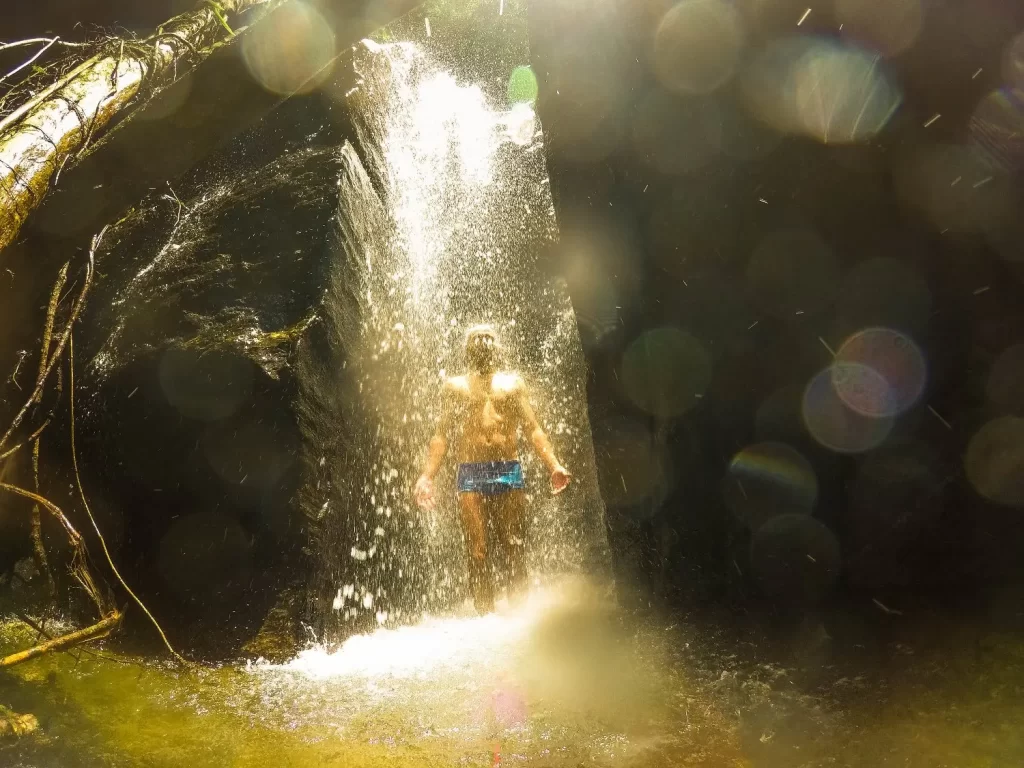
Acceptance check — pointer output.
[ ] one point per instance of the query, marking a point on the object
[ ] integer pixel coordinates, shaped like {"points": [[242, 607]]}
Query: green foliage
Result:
{"points": [[218, 11]]}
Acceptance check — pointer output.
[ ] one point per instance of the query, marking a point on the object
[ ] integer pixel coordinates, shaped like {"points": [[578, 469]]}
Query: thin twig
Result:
{"points": [[14, 376], [75, 310], [51, 314], [88, 511], [40, 631], [42, 427], [42, 561], [53, 509], [34, 40], [31, 61]]}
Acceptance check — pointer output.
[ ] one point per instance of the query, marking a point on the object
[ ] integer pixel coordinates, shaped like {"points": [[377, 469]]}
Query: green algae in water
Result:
{"points": [[597, 688], [439, 694]]}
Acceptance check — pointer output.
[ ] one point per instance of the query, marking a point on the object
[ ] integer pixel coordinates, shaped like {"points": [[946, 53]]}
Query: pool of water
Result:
{"points": [[566, 679]]}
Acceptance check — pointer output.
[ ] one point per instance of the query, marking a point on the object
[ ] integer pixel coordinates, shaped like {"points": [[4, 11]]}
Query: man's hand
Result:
{"points": [[559, 479], [423, 492]]}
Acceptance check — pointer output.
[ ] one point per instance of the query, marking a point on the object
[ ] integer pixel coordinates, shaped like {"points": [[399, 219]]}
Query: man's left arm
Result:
{"points": [[559, 475]]}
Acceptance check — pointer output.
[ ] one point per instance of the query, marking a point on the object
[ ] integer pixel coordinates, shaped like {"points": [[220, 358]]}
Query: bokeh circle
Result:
{"points": [[291, 54], [897, 361], [697, 45], [833, 423], [769, 479], [796, 560], [792, 271], [665, 371], [995, 461]]}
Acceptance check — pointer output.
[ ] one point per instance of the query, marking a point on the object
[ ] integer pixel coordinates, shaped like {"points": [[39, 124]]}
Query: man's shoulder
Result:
{"points": [[502, 381], [457, 384], [507, 381]]}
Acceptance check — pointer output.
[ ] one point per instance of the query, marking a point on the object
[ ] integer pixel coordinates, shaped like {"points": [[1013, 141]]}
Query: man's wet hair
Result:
{"points": [[478, 330]]}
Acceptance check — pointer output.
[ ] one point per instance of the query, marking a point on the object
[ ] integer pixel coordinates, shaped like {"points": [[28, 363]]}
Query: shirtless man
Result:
{"points": [[481, 415]]}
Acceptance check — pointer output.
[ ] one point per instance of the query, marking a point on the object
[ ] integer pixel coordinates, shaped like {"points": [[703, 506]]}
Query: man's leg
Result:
{"points": [[474, 526], [510, 517]]}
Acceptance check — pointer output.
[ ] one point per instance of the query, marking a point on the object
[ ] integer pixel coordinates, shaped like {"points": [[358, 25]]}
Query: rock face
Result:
{"points": [[187, 435], [187, 425]]}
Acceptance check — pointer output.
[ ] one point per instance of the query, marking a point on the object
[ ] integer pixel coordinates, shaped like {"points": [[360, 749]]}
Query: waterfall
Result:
{"points": [[445, 215]]}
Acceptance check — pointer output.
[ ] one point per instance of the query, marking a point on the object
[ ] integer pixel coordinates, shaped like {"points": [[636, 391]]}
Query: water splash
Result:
{"points": [[437, 645], [445, 212]]}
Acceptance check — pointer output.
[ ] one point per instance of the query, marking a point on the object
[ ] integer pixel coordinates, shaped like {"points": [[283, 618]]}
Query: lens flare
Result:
{"points": [[887, 26], [1013, 62], [665, 372], [631, 465], [779, 416], [697, 45], [293, 53], [836, 94], [587, 118], [796, 559], [250, 455], [883, 293], [693, 233], [955, 187], [598, 257], [674, 135], [833, 423], [205, 387], [765, 480], [997, 129], [168, 101], [204, 555], [597, 306], [879, 372], [791, 272], [736, 133], [522, 86], [843, 96], [1005, 386], [995, 461], [897, 492]]}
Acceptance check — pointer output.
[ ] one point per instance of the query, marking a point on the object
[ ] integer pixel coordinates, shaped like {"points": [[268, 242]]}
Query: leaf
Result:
{"points": [[218, 11]]}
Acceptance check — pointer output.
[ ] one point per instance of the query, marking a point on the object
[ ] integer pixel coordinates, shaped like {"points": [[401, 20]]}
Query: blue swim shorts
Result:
{"points": [[491, 477]]}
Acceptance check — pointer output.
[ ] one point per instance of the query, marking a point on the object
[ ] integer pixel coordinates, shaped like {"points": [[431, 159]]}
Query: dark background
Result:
{"points": [[677, 244]]}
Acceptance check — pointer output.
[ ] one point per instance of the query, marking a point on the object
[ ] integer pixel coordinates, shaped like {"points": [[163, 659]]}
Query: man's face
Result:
{"points": [[481, 351]]}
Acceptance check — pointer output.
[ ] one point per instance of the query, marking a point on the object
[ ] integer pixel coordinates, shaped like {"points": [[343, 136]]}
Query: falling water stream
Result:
{"points": [[444, 218]]}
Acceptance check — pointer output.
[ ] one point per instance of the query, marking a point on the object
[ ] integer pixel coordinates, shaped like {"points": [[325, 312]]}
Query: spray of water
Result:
{"points": [[444, 217]]}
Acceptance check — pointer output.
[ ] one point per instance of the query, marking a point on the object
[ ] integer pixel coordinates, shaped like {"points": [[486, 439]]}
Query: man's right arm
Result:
{"points": [[436, 450]]}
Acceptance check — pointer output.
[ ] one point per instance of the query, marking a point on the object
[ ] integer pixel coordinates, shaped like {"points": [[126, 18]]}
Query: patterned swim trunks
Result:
{"points": [[491, 477]]}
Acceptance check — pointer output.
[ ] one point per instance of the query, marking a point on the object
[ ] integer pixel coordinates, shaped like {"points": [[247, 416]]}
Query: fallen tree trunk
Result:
{"points": [[41, 137], [100, 629]]}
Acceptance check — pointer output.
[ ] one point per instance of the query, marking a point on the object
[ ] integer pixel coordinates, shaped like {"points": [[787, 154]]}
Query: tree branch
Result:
{"points": [[100, 629], [103, 87]]}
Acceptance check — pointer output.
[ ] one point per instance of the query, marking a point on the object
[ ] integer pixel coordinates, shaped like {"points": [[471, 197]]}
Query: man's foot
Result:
{"points": [[517, 597], [483, 607], [481, 585]]}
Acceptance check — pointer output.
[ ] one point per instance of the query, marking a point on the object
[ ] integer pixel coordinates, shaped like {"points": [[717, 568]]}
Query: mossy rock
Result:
{"points": [[13, 725], [280, 636]]}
